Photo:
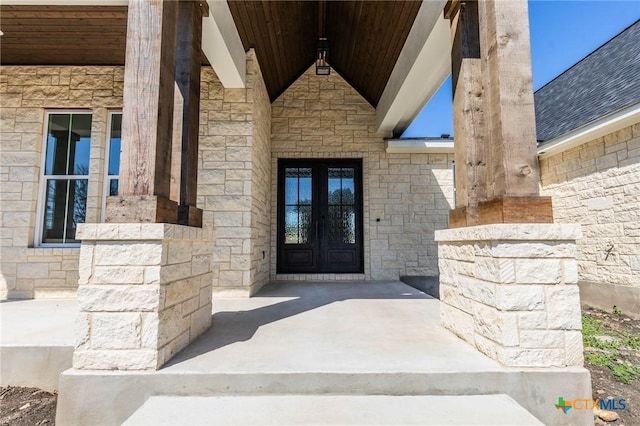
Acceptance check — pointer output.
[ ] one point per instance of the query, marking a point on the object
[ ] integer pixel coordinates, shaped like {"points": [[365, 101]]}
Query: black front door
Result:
{"points": [[320, 216]]}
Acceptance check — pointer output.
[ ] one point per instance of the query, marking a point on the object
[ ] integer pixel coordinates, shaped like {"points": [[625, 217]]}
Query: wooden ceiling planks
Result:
{"points": [[284, 35], [365, 37], [63, 35]]}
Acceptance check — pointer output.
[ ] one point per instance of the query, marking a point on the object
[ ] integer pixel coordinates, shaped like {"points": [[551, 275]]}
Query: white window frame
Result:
{"points": [[107, 156], [42, 200]]}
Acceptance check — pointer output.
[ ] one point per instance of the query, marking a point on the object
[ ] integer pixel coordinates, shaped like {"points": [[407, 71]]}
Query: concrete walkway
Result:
{"points": [[36, 341]]}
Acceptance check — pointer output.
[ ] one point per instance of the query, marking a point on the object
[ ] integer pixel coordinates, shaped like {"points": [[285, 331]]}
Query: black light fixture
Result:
{"points": [[322, 57], [322, 48]]}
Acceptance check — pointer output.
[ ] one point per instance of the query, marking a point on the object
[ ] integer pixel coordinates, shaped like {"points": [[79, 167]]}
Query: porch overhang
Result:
{"points": [[220, 39], [423, 65]]}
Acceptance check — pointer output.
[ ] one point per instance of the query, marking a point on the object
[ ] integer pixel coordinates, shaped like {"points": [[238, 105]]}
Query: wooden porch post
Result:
{"points": [[187, 109], [470, 158], [503, 135], [145, 162]]}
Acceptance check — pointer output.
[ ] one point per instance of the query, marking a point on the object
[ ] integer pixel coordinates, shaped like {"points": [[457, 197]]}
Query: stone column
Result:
{"points": [[144, 294], [511, 291]]}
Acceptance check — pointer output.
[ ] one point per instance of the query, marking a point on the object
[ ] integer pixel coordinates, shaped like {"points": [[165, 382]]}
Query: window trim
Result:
{"points": [[106, 179], [41, 201]]}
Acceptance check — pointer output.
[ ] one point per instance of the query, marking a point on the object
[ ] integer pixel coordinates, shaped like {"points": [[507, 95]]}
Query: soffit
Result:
{"points": [[63, 35], [365, 38]]}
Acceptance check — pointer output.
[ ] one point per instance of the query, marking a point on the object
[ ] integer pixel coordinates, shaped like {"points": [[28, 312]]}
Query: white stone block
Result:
{"points": [[82, 331], [501, 327], [517, 357], [477, 291], [495, 270], [118, 275], [171, 323], [542, 339], [532, 320], [458, 322], [486, 346], [519, 298], [452, 296], [563, 307], [533, 249], [118, 298], [538, 271], [128, 254], [115, 330], [573, 348], [115, 359], [570, 271], [150, 331]]}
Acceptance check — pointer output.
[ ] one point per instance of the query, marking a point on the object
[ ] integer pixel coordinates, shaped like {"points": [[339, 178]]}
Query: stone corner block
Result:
{"points": [[512, 231]]}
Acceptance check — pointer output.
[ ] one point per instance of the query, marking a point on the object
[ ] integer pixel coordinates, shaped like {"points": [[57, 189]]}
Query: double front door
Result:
{"points": [[320, 216]]}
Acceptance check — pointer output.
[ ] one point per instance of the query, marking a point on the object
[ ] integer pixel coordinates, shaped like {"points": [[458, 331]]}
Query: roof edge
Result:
{"points": [[609, 123]]}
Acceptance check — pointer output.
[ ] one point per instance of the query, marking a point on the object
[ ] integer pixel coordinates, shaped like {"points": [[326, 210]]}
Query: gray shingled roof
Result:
{"points": [[601, 83]]}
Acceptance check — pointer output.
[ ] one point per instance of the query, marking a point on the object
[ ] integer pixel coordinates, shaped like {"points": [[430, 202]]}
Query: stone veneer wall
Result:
{"points": [[233, 175], [597, 184], [510, 290], [26, 91], [144, 294], [411, 194], [232, 188]]}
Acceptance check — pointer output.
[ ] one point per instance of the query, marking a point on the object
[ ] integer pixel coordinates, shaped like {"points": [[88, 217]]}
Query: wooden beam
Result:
{"points": [[144, 181], [187, 110], [504, 40], [495, 124], [468, 117]]}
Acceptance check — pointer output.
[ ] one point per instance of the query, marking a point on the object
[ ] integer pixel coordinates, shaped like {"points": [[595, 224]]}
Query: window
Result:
{"points": [[113, 156], [65, 176]]}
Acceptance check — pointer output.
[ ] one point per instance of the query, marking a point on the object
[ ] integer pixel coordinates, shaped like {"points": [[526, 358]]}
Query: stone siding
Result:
{"points": [[410, 194], [233, 176], [232, 189], [597, 184], [144, 294], [29, 271], [511, 291]]}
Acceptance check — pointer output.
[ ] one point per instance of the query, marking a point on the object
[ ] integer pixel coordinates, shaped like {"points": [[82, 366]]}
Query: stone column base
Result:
{"points": [[144, 294], [511, 291]]}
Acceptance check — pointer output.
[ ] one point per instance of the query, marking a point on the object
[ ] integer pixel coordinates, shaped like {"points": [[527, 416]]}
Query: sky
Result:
{"points": [[562, 33]]}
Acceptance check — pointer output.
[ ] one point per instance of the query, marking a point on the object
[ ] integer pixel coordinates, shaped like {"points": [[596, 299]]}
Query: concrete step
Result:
{"points": [[496, 409]]}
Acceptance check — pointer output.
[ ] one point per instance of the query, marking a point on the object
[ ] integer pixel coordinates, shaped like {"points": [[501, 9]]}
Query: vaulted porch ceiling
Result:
{"points": [[394, 53], [365, 38]]}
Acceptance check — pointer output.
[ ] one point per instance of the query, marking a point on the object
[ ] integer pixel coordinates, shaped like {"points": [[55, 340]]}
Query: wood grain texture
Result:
{"points": [[187, 78], [365, 39], [516, 210], [148, 104], [63, 35], [512, 165], [468, 111]]}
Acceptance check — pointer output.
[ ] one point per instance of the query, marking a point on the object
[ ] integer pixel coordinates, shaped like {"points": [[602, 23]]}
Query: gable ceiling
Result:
{"points": [[365, 37]]}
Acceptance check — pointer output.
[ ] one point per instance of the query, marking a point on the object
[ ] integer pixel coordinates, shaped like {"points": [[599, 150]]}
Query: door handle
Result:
{"points": [[317, 232]]}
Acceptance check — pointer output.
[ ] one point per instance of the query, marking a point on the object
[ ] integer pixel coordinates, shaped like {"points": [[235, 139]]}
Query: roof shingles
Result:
{"points": [[603, 82]]}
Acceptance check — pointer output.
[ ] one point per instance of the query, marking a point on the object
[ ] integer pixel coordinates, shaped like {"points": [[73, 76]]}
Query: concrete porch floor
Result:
{"points": [[353, 327], [352, 338]]}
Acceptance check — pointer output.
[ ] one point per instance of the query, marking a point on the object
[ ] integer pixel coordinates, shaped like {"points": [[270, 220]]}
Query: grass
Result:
{"points": [[609, 353]]}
